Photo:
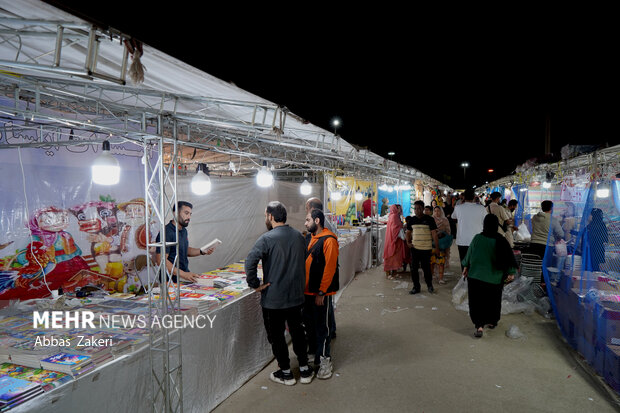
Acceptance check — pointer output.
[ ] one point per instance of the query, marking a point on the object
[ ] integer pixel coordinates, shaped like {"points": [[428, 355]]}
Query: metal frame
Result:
{"points": [[160, 197], [60, 35], [211, 125], [69, 104], [591, 161]]}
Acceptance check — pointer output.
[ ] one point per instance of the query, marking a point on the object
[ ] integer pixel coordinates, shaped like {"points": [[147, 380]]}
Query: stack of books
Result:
{"points": [[6, 341], [202, 301], [206, 279], [72, 364], [125, 343], [80, 345], [30, 352], [46, 378], [16, 391]]}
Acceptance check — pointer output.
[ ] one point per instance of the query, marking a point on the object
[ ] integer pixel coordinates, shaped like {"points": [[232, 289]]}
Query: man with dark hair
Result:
{"points": [[283, 252], [469, 217], [423, 235], [512, 205], [545, 230], [321, 284], [369, 207], [503, 217], [315, 203], [428, 210], [184, 214]]}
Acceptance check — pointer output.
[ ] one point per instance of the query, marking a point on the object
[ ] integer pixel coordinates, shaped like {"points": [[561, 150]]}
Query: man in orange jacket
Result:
{"points": [[321, 284]]}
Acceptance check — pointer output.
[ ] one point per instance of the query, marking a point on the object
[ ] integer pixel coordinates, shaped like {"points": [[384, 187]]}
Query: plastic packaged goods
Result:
{"points": [[515, 333]]}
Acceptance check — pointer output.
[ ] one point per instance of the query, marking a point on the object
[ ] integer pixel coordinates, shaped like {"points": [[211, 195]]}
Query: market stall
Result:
{"points": [[581, 269], [69, 97]]}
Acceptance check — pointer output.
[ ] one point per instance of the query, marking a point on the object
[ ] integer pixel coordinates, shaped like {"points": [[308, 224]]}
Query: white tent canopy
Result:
{"points": [[64, 64]]}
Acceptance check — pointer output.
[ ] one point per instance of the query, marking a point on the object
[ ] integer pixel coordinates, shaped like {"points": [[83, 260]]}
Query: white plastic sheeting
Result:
{"points": [[234, 212]]}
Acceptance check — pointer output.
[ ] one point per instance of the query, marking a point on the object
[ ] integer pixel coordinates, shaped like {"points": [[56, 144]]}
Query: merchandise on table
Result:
{"points": [[14, 391], [70, 352], [30, 352], [68, 363], [47, 378]]}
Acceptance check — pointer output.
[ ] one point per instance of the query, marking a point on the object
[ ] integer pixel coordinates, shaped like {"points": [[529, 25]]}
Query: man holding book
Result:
{"points": [[184, 215]]}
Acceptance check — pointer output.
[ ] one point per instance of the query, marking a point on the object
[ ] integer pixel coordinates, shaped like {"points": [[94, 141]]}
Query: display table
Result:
{"points": [[216, 361]]}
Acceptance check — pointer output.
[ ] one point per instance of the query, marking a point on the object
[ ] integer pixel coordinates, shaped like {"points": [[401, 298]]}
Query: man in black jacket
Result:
{"points": [[282, 250]]}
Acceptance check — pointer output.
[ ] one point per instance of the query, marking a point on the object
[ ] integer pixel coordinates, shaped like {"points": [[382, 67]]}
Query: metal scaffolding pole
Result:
{"points": [[165, 343]]}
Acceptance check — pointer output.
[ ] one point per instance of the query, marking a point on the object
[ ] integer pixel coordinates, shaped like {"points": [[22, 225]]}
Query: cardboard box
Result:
{"points": [[575, 312], [600, 353], [561, 303], [612, 366], [586, 349], [607, 320]]}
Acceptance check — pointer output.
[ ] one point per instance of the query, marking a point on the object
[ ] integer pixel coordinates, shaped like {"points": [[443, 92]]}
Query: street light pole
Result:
{"points": [[335, 124], [464, 165]]}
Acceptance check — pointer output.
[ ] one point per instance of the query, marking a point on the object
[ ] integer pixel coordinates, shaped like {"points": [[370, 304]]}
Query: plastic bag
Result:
{"points": [[401, 234], [543, 306], [403, 284], [523, 234], [526, 307], [560, 248], [519, 286], [514, 332], [459, 292]]}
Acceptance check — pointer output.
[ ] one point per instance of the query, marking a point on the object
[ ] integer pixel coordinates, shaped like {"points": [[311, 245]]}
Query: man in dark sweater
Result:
{"points": [[282, 250]]}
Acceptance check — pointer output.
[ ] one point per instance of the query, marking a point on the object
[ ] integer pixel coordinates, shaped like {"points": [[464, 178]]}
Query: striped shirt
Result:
{"points": [[421, 232]]}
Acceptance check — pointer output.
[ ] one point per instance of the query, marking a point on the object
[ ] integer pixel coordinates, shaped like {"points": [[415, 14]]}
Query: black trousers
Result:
{"points": [[275, 324], [318, 324], [537, 249], [421, 258], [462, 253], [485, 302]]}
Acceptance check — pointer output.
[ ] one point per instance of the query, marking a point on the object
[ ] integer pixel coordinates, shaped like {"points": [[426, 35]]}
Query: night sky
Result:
{"points": [[434, 93]]}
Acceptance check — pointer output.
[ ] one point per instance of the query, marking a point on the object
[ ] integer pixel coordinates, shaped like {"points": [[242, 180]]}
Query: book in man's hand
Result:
{"points": [[211, 244]]}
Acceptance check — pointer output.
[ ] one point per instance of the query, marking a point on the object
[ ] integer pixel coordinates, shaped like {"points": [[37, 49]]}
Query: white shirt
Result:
{"points": [[470, 218]]}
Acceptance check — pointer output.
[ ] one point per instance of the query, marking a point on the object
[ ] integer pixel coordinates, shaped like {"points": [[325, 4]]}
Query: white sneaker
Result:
{"points": [[325, 369], [305, 376]]}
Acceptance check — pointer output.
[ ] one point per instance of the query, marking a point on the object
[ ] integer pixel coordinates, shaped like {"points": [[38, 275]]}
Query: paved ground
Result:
{"points": [[402, 353]]}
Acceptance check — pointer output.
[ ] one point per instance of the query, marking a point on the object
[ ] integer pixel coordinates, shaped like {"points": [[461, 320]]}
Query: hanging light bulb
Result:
{"points": [[264, 178], [201, 183], [358, 196], [336, 195], [383, 187], [106, 169], [305, 188], [602, 191], [546, 185]]}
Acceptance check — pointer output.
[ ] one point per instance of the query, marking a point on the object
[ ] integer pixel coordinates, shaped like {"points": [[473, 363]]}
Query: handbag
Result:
{"points": [[445, 242]]}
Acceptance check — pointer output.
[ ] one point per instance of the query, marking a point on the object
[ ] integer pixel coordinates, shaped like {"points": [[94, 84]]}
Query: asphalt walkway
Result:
{"points": [[401, 353]]}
